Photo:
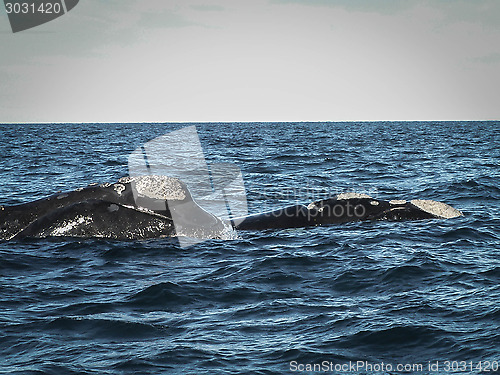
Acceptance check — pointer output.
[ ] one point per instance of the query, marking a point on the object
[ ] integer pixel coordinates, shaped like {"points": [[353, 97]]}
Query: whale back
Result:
{"points": [[347, 207], [116, 210]]}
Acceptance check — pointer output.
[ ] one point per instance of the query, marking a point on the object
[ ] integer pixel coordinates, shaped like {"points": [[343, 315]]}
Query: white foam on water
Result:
{"points": [[228, 232]]}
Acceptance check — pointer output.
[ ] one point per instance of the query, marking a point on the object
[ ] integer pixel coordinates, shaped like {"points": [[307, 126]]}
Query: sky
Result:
{"points": [[255, 60]]}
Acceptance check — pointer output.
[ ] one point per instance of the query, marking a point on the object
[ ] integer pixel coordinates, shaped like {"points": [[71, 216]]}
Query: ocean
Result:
{"points": [[362, 297]]}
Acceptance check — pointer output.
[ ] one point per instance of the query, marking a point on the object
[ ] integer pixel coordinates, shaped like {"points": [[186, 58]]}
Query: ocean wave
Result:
{"points": [[393, 291]]}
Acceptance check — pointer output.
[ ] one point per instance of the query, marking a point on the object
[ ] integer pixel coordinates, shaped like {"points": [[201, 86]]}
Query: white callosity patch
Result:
{"points": [[126, 180], [438, 209], [158, 187], [374, 203], [397, 201], [119, 188], [312, 206], [62, 230], [351, 195]]}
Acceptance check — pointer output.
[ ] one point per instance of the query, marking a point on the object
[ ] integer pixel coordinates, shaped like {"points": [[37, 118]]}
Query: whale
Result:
{"points": [[131, 208], [154, 206], [348, 207]]}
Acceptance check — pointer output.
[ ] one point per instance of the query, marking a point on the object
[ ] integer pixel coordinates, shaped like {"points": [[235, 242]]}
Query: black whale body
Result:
{"points": [[335, 211], [137, 208], [112, 211]]}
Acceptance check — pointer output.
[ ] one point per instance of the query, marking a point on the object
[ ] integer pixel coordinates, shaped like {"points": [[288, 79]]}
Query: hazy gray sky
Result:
{"points": [[255, 60]]}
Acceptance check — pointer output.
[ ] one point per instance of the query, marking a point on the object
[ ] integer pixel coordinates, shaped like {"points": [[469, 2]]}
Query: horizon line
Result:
{"points": [[229, 122]]}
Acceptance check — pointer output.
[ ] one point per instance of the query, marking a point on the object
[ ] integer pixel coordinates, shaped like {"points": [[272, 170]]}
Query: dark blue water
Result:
{"points": [[266, 302]]}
